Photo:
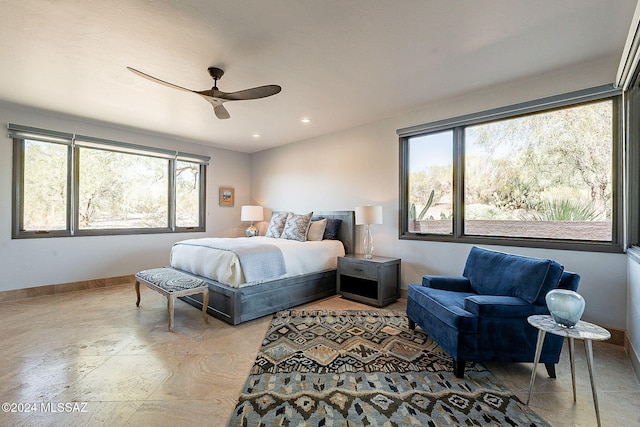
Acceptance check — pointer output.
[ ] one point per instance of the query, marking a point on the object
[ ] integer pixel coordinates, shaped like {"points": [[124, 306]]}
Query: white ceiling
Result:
{"points": [[340, 62]]}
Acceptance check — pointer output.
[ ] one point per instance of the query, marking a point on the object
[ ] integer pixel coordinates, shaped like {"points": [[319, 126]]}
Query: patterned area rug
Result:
{"points": [[366, 368]]}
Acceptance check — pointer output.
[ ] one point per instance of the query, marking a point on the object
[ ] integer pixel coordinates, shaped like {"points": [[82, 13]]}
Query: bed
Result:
{"points": [[240, 302]]}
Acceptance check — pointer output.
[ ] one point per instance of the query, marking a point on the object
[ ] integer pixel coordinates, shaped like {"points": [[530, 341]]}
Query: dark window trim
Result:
{"points": [[458, 124], [21, 133], [632, 129], [524, 108], [17, 222]]}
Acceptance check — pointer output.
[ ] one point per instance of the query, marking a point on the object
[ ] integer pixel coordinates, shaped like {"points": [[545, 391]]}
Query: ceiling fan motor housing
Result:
{"points": [[216, 73]]}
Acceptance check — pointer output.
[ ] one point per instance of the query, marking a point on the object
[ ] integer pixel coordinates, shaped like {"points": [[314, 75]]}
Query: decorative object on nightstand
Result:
{"points": [[367, 215], [252, 213], [374, 281], [566, 307]]}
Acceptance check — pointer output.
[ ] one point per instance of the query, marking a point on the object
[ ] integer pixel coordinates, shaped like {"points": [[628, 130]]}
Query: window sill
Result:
{"points": [[607, 247]]}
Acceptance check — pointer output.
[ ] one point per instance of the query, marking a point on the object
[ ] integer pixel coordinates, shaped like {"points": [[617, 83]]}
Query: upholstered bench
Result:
{"points": [[173, 284]]}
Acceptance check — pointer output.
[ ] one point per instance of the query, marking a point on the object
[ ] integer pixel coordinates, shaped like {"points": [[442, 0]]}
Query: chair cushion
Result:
{"points": [[551, 281], [569, 281], [446, 306], [502, 307], [498, 273], [447, 283]]}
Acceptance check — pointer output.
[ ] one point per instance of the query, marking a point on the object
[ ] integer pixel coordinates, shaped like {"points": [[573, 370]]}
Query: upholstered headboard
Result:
{"points": [[347, 231]]}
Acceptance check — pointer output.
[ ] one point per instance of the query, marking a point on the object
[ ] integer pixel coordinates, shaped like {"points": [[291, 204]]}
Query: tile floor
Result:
{"points": [[123, 368]]}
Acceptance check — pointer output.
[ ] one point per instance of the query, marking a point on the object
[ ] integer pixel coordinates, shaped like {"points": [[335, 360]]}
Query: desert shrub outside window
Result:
{"points": [[121, 190], [542, 174], [70, 185]]}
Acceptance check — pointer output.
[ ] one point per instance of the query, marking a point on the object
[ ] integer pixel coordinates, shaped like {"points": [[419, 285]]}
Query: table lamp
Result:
{"points": [[252, 213], [368, 215]]}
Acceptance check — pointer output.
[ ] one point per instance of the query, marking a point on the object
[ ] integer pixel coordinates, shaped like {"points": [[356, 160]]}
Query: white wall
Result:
{"points": [[361, 166], [27, 263]]}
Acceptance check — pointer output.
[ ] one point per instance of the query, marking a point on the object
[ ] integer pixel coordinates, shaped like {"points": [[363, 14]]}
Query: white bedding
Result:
{"points": [[224, 266]]}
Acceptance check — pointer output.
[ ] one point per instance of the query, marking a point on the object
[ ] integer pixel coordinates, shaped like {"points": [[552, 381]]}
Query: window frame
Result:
{"points": [[458, 125], [632, 131], [20, 134]]}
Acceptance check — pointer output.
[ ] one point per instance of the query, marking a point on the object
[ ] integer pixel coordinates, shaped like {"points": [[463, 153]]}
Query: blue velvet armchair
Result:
{"points": [[481, 316]]}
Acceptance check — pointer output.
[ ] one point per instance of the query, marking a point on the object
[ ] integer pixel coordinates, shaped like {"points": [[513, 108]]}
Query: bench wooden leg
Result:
{"points": [[170, 310], [205, 303], [138, 293]]}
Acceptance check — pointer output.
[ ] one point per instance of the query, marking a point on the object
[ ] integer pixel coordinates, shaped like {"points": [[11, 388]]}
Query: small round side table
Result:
{"points": [[583, 331]]}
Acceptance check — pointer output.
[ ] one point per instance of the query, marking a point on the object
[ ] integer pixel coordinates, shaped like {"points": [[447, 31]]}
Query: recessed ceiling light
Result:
{"points": [[256, 135], [305, 120]]}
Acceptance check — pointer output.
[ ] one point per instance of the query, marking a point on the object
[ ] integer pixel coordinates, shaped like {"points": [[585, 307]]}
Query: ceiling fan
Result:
{"points": [[215, 96]]}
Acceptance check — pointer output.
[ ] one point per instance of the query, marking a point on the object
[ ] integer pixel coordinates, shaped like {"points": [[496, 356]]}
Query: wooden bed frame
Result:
{"points": [[237, 305]]}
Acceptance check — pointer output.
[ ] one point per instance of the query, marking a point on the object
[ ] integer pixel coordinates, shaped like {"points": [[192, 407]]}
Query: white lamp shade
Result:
{"points": [[369, 215], [252, 213]]}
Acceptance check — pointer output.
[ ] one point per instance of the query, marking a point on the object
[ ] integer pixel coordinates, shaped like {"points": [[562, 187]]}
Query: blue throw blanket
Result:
{"points": [[259, 261]]}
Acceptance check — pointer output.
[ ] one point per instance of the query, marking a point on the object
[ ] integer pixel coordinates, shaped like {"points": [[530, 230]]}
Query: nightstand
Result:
{"points": [[373, 281]]}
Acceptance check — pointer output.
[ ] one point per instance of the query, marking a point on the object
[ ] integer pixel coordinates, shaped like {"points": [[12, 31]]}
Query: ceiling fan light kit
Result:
{"points": [[215, 96]]}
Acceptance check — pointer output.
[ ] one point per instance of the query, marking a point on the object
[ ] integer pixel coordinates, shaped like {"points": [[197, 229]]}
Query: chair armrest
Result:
{"points": [[502, 306], [447, 283]]}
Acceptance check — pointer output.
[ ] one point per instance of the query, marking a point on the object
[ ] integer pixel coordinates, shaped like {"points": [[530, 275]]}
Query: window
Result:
{"points": [[542, 174], [188, 194], [45, 186], [68, 185], [430, 183]]}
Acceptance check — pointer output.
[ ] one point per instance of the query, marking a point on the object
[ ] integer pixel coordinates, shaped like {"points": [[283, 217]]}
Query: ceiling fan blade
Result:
{"points": [[221, 112], [214, 96], [253, 93], [216, 103], [153, 79]]}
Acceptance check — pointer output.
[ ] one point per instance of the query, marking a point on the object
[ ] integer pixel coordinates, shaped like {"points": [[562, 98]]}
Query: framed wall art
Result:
{"points": [[226, 196]]}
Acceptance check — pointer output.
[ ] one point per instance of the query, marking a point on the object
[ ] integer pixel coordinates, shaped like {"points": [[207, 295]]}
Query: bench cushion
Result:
{"points": [[169, 279]]}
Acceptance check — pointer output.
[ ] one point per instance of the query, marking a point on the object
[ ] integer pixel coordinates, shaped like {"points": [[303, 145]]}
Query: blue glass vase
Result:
{"points": [[566, 307]]}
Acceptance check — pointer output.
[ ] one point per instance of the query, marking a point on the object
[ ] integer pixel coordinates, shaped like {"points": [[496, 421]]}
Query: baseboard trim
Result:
{"points": [[618, 337], [38, 291], [633, 355]]}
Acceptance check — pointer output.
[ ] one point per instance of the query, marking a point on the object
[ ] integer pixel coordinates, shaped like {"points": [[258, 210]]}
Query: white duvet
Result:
{"points": [[224, 266]]}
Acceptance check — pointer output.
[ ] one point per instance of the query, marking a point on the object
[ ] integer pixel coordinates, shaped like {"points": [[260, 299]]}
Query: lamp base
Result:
{"points": [[367, 243], [252, 231]]}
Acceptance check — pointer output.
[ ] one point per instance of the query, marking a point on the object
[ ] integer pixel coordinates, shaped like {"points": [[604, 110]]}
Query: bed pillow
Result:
{"points": [[296, 227], [331, 230], [316, 230], [276, 225]]}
